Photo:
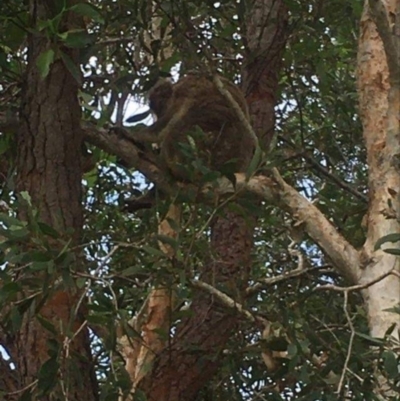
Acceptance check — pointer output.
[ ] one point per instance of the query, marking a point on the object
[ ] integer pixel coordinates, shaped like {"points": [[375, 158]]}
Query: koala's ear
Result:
{"points": [[138, 117]]}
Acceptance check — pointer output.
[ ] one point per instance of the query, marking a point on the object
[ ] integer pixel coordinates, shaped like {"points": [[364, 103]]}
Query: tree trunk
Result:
{"points": [[382, 141], [49, 169], [379, 95], [195, 353], [266, 34]]}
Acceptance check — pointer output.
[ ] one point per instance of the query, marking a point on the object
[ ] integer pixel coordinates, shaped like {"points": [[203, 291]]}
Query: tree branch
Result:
{"points": [[274, 190], [263, 283], [317, 226], [116, 40], [227, 301], [132, 154], [343, 255], [357, 287]]}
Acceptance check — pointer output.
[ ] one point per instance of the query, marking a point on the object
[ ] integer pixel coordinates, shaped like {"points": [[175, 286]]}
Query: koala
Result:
{"points": [[192, 102]]}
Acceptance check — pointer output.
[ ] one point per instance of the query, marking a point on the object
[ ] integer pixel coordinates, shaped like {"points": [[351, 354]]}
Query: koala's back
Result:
{"points": [[224, 140]]}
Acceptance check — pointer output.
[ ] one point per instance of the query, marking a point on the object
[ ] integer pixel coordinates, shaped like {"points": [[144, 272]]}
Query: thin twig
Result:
{"points": [[33, 384], [340, 183], [283, 277], [325, 172], [350, 347], [112, 41], [357, 287], [228, 301]]}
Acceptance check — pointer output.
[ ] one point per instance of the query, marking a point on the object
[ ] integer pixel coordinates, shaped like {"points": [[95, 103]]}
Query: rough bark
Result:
{"points": [[266, 34], [194, 355], [8, 378], [49, 169]]}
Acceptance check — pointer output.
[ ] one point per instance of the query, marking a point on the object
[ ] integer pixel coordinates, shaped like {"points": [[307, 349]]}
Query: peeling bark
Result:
{"points": [[379, 107], [379, 95], [155, 324]]}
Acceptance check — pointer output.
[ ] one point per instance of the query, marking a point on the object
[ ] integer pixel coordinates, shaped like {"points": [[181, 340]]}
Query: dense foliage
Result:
{"points": [[318, 148]]}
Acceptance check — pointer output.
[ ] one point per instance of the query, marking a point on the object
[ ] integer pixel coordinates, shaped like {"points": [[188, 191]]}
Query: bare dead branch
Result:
{"points": [[349, 348], [358, 287]]}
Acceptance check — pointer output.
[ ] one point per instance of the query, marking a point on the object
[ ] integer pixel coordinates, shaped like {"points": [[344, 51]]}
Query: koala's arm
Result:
{"points": [[173, 121]]}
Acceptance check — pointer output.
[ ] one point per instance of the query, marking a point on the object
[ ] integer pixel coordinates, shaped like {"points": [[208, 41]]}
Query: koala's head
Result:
{"points": [[159, 96]]}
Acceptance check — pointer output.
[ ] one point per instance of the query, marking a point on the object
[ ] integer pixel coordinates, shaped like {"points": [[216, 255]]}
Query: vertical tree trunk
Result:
{"points": [[49, 169], [379, 95], [195, 353], [383, 147], [266, 34]]}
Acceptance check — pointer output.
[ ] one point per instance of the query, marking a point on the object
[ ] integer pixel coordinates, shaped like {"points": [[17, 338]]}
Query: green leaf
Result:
{"points": [[9, 291], [60, 5], [392, 251], [139, 395], [255, 162], [88, 10], [80, 282], [11, 221], [47, 376], [44, 62], [153, 251], [91, 178], [65, 249], [292, 350], [372, 340], [165, 239], [391, 364], [26, 197], [16, 319], [72, 67], [131, 270], [48, 230], [129, 330], [36, 256], [394, 309], [26, 396], [42, 266], [47, 325], [395, 237], [78, 39], [15, 233]]}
